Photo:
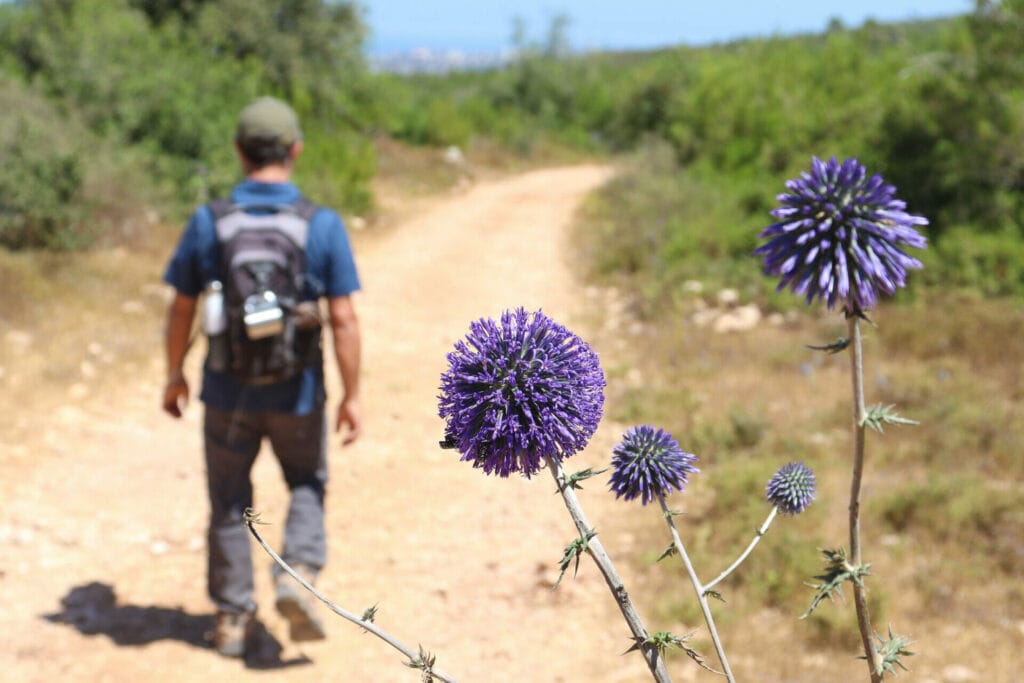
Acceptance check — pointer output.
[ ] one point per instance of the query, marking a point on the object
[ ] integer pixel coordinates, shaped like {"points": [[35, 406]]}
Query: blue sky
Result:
{"points": [[485, 26]]}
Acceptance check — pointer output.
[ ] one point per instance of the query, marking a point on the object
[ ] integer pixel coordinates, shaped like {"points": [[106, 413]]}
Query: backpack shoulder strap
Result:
{"points": [[221, 207], [305, 209]]}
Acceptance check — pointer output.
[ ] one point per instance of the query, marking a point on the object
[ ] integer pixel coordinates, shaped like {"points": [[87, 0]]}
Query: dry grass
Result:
{"points": [[944, 511]]}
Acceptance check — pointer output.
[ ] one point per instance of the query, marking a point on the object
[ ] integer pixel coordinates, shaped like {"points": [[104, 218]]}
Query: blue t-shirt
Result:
{"points": [[330, 268]]}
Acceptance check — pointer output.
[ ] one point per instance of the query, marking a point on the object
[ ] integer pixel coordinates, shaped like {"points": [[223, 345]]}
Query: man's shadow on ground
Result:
{"points": [[92, 609]]}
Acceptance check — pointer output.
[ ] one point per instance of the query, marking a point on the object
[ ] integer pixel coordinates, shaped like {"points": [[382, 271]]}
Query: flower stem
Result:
{"points": [[251, 518], [859, 411], [704, 607], [650, 653], [750, 548]]}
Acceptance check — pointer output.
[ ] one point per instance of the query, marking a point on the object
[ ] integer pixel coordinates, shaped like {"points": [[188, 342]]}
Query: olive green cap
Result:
{"points": [[268, 120]]}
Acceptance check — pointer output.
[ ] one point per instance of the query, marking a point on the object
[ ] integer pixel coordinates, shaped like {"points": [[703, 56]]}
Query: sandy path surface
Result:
{"points": [[104, 509]]}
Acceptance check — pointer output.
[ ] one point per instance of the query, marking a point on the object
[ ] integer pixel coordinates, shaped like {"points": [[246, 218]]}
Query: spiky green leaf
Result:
{"points": [[572, 552], [573, 480], [668, 552], [835, 347], [838, 571], [878, 415]]}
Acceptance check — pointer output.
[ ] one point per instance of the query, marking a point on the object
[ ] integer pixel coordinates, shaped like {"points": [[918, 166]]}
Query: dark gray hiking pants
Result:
{"points": [[232, 442]]}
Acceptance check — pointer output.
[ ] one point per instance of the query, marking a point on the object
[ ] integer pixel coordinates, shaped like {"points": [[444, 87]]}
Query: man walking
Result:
{"points": [[265, 256]]}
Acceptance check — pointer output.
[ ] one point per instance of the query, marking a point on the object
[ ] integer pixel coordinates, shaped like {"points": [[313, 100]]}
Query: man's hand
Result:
{"points": [[175, 396], [349, 415], [177, 340]]}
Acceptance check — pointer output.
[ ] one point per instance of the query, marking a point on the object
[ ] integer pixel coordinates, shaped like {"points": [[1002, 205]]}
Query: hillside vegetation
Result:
{"points": [[140, 95], [112, 106], [936, 107]]}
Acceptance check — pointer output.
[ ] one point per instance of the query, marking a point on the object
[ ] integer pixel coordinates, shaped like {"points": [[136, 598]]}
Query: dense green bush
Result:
{"points": [[156, 86], [41, 171]]}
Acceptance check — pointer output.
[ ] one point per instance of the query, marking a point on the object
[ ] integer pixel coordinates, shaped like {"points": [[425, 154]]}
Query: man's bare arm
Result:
{"points": [[176, 340], [347, 352]]}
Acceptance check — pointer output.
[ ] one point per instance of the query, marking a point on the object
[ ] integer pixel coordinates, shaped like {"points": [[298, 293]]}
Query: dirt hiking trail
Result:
{"points": [[103, 573]]}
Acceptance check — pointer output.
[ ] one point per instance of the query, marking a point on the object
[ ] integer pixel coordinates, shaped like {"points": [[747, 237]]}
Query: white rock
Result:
{"points": [[728, 298], [133, 307], [742, 319], [704, 317], [357, 223], [161, 292], [776, 319], [693, 286], [18, 338], [454, 156], [94, 349], [958, 673], [158, 548]]}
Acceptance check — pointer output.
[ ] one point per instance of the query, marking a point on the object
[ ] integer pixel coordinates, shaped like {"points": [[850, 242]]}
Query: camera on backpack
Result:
{"points": [[262, 315]]}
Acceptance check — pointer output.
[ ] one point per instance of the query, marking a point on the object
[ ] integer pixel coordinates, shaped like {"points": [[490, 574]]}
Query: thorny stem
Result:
{"points": [[750, 548], [252, 518], [859, 593], [704, 607], [654, 660]]}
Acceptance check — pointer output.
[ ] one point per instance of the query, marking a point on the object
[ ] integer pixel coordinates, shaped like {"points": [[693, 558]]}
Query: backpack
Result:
{"points": [[270, 335]]}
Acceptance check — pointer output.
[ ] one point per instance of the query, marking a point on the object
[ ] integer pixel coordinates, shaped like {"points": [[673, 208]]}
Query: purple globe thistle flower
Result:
{"points": [[518, 390], [838, 236], [649, 463], [791, 488]]}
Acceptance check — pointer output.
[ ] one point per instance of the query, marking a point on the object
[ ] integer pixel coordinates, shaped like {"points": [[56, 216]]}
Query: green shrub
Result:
{"points": [[41, 174], [991, 263], [153, 91], [336, 168]]}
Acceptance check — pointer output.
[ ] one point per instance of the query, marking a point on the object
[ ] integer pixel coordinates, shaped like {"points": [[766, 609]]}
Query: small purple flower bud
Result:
{"points": [[838, 236], [791, 488], [649, 463], [519, 390]]}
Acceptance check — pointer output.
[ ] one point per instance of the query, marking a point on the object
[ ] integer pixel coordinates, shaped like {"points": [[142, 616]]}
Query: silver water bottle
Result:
{"points": [[215, 325]]}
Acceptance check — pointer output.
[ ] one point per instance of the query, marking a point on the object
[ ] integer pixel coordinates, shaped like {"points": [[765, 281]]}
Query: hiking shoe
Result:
{"points": [[295, 604], [231, 633]]}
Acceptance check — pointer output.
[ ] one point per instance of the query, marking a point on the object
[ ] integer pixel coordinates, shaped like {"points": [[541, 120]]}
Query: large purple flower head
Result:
{"points": [[648, 463], [838, 236], [518, 390], [791, 488]]}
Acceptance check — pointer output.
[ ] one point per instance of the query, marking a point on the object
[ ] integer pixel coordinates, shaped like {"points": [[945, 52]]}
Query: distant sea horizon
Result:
{"points": [[433, 59]]}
